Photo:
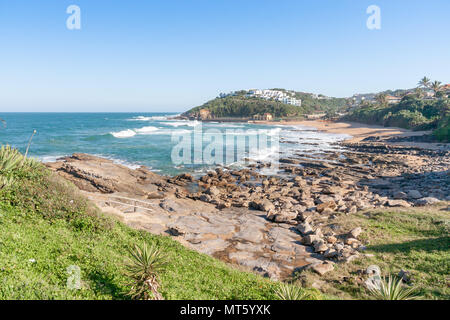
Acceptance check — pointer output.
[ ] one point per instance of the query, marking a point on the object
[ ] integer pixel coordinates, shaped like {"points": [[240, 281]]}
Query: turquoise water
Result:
{"points": [[137, 139]]}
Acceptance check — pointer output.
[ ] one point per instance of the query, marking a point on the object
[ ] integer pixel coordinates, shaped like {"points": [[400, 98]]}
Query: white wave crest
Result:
{"points": [[145, 130], [123, 134], [144, 118]]}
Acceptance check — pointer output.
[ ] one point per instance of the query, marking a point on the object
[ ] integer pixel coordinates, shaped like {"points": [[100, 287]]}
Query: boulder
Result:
{"points": [[354, 233], [310, 239], [323, 268], [330, 253], [326, 205], [426, 201], [400, 195], [398, 203], [304, 228], [213, 191], [414, 194], [263, 205]]}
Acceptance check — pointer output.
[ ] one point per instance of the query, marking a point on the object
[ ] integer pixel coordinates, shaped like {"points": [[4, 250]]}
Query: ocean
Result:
{"points": [[149, 139]]}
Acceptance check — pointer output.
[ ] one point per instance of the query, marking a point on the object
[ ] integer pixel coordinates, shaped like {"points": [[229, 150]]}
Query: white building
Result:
{"points": [[277, 95]]}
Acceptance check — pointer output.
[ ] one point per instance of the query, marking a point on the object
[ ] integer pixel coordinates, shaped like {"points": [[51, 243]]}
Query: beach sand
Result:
{"points": [[360, 131]]}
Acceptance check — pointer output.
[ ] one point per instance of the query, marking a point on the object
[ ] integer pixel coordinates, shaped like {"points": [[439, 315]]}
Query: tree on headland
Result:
{"points": [[381, 98], [424, 82], [419, 92], [436, 86]]}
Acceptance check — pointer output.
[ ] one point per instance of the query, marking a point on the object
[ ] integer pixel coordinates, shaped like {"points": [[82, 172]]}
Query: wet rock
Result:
{"points": [[400, 195], [426, 201], [414, 194]]}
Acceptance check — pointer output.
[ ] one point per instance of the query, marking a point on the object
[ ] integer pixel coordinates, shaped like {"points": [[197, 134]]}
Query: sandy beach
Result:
{"points": [[360, 131]]}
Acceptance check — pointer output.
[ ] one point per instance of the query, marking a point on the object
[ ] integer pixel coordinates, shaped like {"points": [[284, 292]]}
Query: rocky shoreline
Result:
{"points": [[272, 225]]}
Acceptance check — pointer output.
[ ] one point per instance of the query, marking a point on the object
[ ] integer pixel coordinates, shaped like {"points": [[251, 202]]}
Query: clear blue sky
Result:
{"points": [[172, 55]]}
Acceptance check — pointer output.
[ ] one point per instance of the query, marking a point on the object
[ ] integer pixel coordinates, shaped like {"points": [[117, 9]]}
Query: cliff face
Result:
{"points": [[202, 114]]}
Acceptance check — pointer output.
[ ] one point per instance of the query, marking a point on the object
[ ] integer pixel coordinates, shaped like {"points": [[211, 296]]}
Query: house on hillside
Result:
{"points": [[393, 99], [446, 88]]}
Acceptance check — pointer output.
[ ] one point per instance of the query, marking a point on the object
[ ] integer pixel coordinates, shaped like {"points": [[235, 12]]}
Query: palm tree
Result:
{"points": [[381, 98], [424, 82], [436, 87]]}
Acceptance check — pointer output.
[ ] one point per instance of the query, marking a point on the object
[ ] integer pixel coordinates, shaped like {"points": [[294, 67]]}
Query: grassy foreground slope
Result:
{"points": [[46, 226]]}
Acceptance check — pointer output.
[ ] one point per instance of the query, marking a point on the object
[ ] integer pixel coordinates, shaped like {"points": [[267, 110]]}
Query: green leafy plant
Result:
{"points": [[11, 160], [144, 268], [392, 288], [290, 292]]}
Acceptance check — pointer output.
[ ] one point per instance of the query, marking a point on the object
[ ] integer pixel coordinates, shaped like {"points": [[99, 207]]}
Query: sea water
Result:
{"points": [[135, 139]]}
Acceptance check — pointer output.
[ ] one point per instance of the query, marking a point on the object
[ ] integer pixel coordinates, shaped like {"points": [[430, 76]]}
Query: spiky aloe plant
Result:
{"points": [[146, 263], [10, 159], [392, 288], [290, 292]]}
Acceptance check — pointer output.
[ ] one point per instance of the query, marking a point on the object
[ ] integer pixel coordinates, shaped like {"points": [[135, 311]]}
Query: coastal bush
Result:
{"points": [[410, 113]]}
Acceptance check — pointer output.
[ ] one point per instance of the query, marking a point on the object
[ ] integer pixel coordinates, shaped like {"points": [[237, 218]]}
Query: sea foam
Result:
{"points": [[123, 134]]}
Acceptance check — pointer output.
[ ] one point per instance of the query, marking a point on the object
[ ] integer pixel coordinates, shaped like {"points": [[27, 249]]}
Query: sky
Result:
{"points": [[150, 56]]}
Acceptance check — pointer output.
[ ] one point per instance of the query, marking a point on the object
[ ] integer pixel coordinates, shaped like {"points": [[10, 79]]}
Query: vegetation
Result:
{"points": [[290, 292], [416, 240], [392, 288], [241, 106], [144, 269], [48, 230], [412, 112]]}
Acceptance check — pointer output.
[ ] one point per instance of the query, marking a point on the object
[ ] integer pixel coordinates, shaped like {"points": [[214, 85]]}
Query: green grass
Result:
{"points": [[47, 226], [416, 240]]}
